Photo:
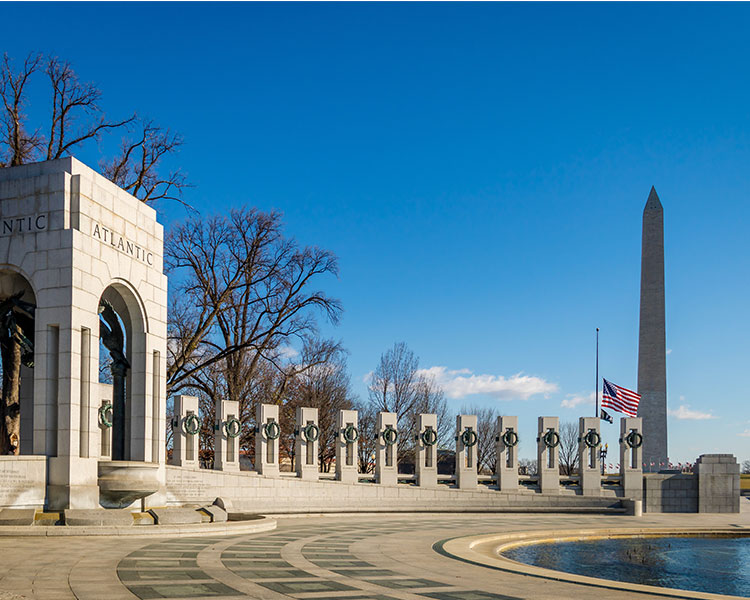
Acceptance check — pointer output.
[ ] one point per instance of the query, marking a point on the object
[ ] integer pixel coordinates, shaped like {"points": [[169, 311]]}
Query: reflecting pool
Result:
{"points": [[719, 565]]}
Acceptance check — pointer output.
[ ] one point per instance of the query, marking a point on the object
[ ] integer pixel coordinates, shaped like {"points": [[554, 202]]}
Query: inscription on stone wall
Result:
{"points": [[107, 236], [21, 483], [187, 487], [24, 224]]}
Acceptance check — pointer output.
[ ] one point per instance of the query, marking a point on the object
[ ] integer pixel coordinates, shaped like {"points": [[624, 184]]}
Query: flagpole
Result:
{"points": [[596, 386]]}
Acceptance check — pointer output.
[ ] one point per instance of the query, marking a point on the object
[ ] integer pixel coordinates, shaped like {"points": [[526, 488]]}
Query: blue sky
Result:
{"points": [[479, 169]]}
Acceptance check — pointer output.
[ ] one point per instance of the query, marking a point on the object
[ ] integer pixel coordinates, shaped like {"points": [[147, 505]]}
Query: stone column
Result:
{"points": [[427, 457], [72, 481], [306, 443], [347, 469], [589, 465], [227, 431], [267, 434], [718, 483], [631, 457], [466, 451], [185, 432], [386, 449], [547, 455], [506, 466]]}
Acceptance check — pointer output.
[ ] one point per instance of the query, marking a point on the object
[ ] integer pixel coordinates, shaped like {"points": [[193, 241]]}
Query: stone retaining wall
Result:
{"points": [[670, 492], [248, 491], [712, 487]]}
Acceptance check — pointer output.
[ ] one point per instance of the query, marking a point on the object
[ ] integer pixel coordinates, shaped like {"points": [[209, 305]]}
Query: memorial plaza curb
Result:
{"points": [[199, 529]]}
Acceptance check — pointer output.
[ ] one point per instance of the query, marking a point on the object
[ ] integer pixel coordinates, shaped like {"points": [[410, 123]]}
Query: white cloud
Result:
{"points": [[686, 413], [287, 352], [745, 433], [459, 383], [367, 377], [574, 400], [669, 350]]}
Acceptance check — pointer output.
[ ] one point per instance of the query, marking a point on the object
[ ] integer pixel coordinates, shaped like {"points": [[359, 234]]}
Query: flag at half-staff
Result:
{"points": [[605, 416], [620, 399]]}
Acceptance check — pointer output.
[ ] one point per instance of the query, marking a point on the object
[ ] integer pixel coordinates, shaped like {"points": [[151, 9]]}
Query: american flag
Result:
{"points": [[620, 399]]}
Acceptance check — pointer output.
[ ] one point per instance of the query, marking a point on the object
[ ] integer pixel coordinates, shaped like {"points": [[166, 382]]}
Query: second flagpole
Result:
{"points": [[596, 385]]}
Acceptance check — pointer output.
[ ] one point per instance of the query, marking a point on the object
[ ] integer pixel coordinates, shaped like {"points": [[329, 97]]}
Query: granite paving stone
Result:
{"points": [[384, 557]]}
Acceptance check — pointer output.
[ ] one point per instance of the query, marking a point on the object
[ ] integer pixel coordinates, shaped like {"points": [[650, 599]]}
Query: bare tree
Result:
{"points": [[527, 466], [243, 291], [486, 448], [568, 448], [136, 168], [17, 144], [76, 117], [367, 420], [397, 386], [76, 114]]}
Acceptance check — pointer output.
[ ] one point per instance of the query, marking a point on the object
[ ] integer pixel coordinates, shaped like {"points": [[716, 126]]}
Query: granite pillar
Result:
{"points": [[466, 451], [426, 447], [547, 455], [506, 466], [347, 434]]}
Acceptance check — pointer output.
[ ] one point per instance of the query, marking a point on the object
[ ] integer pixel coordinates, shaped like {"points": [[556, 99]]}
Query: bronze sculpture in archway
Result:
{"points": [[16, 349]]}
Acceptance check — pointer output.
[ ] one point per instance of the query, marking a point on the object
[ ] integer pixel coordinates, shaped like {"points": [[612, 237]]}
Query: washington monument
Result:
{"points": [[652, 350]]}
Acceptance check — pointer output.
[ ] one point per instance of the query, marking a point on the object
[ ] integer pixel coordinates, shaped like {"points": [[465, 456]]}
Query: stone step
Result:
{"points": [[17, 516], [98, 517]]}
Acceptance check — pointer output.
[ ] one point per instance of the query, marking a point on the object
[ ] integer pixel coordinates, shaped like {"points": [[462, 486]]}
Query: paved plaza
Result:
{"points": [[362, 557]]}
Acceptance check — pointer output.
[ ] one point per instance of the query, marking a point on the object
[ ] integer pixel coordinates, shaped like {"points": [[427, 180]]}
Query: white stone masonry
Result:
{"points": [[386, 449], [69, 239], [306, 440], [347, 434], [506, 466], [185, 432], [466, 451], [267, 432], [227, 430], [589, 444], [547, 455], [631, 457], [426, 444]]}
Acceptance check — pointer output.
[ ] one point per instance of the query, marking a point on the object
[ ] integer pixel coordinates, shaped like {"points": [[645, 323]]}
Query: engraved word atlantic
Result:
{"points": [[24, 224], [123, 245]]}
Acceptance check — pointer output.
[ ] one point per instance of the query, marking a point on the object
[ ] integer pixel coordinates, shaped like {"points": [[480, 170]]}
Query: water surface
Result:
{"points": [[717, 565]]}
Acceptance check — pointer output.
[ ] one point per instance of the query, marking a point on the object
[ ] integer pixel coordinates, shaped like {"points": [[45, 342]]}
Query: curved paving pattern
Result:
{"points": [[386, 557]]}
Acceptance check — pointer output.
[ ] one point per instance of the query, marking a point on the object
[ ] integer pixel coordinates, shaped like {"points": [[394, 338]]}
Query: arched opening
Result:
{"points": [[122, 343], [17, 309]]}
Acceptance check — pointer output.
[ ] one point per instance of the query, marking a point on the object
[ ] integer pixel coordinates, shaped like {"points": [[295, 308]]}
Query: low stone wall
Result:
{"points": [[718, 483], [712, 487], [248, 491], [670, 492], [23, 481]]}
